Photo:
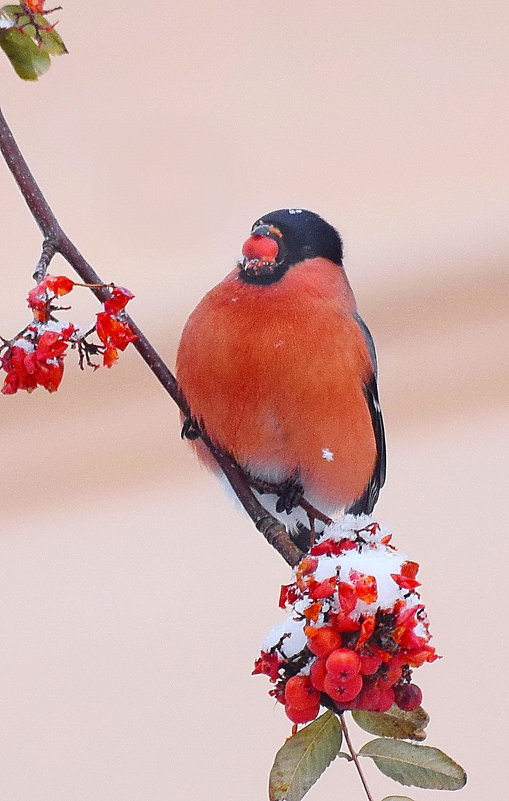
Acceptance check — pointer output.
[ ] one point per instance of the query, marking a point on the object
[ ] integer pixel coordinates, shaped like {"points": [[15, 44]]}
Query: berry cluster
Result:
{"points": [[35, 357], [357, 627]]}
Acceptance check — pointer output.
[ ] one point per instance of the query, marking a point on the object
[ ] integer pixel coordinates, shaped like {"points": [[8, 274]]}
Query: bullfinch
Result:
{"points": [[280, 370]]}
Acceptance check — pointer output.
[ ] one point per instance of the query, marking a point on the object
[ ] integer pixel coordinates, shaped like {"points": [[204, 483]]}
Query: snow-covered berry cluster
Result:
{"points": [[35, 357], [357, 627]]}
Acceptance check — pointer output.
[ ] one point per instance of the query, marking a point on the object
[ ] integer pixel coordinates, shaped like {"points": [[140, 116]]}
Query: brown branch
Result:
{"points": [[56, 241], [354, 756], [47, 253]]}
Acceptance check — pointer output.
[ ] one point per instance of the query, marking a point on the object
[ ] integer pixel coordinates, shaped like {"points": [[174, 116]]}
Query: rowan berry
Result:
{"points": [[370, 664], [303, 715], [318, 674], [300, 693], [408, 696], [322, 641], [343, 664], [342, 690]]}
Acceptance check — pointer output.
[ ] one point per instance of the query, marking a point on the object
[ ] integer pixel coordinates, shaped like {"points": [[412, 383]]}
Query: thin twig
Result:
{"points": [[354, 756], [272, 530], [47, 253]]}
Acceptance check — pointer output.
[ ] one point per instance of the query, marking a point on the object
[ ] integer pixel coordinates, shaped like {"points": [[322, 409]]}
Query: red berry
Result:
{"points": [[340, 690], [368, 698], [259, 247], [370, 664], [386, 697], [318, 674], [344, 623], [408, 696], [323, 641], [394, 669], [323, 589], [300, 693], [302, 715], [343, 664]]}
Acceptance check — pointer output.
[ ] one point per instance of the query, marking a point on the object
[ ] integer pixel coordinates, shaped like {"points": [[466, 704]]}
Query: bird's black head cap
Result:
{"points": [[299, 234]]}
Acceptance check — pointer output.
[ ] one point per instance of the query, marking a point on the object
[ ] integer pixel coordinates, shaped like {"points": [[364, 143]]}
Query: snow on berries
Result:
{"points": [[357, 627], [35, 357]]}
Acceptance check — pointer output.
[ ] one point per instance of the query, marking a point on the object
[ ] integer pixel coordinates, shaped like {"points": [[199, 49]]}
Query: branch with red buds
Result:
{"points": [[114, 328]]}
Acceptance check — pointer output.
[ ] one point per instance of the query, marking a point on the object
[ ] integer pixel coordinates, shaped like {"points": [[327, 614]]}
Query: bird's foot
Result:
{"points": [[190, 429], [290, 494]]}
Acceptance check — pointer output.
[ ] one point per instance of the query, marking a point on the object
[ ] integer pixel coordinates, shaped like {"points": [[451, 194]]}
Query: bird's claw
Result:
{"points": [[290, 495], [190, 429]]}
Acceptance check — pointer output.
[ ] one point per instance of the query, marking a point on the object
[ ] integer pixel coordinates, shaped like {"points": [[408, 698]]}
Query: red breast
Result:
{"points": [[276, 374]]}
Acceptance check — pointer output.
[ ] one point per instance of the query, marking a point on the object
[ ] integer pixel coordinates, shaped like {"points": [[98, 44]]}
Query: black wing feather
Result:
{"points": [[365, 504]]}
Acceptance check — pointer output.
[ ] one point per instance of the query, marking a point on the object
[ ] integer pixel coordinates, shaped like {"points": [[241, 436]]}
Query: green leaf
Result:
{"points": [[415, 765], [28, 50], [304, 757], [52, 42], [396, 798], [394, 723], [28, 60]]}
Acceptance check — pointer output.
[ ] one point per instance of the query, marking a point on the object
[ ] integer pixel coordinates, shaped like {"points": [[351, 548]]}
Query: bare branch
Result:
{"points": [[47, 253], [56, 241]]}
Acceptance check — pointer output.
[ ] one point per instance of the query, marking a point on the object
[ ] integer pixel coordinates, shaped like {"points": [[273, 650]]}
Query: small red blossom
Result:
{"points": [[409, 569], [306, 566], [347, 597], [288, 595], [37, 6], [51, 346], [268, 663], [332, 547], [313, 612], [371, 528], [110, 356], [113, 332], [52, 286], [405, 582], [343, 622], [120, 297], [323, 589], [365, 586], [367, 629]]}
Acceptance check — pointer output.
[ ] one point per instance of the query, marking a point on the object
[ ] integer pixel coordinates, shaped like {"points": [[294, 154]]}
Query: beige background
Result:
{"points": [[132, 595]]}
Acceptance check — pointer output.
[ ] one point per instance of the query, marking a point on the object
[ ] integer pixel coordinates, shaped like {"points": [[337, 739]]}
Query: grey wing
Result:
{"points": [[365, 504]]}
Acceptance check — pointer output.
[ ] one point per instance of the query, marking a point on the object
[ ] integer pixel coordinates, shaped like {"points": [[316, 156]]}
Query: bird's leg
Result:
{"points": [[190, 429], [290, 494]]}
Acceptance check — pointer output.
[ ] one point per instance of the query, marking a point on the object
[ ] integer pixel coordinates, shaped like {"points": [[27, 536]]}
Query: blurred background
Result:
{"points": [[133, 596]]}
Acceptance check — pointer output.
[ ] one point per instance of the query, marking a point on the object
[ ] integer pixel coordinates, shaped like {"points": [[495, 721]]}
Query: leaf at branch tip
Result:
{"points": [[415, 765], [28, 60], [304, 757], [29, 49], [394, 723], [52, 42]]}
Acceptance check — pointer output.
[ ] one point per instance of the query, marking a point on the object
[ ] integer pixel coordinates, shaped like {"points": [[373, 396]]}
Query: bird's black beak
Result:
{"points": [[262, 230]]}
